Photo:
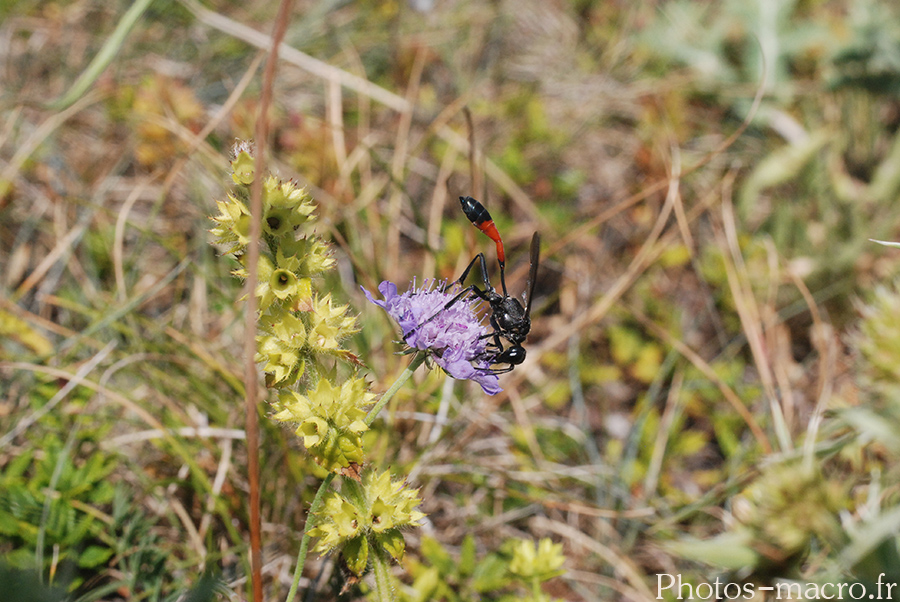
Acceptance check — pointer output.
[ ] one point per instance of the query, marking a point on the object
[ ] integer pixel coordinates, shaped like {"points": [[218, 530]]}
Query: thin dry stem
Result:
{"points": [[250, 318], [398, 163]]}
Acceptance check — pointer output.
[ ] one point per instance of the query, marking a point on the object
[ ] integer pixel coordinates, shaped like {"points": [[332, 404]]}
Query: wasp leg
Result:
{"points": [[471, 289], [496, 371], [484, 274]]}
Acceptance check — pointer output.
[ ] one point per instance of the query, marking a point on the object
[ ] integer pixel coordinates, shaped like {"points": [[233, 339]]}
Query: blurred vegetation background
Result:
{"points": [[711, 387]]}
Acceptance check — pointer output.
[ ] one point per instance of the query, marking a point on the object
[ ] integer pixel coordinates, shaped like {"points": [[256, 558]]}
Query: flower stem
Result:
{"points": [[304, 543], [326, 483], [417, 360], [384, 591]]}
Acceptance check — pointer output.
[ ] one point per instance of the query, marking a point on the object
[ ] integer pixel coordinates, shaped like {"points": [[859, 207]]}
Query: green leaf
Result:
{"points": [[94, 556], [393, 543], [103, 58], [356, 554], [780, 166], [8, 524], [871, 425], [467, 556], [438, 556], [728, 550], [869, 538], [426, 585], [490, 574]]}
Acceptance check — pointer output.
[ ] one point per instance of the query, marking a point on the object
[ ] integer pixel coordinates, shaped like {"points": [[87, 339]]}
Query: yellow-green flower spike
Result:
{"points": [[330, 420], [299, 336], [787, 506], [541, 562], [364, 514]]}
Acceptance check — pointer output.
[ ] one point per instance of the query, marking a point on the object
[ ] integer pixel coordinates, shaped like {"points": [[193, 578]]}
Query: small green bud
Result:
{"points": [[243, 164], [233, 225]]}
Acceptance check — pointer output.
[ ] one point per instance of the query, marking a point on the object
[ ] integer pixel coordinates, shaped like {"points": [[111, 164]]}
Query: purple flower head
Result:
{"points": [[453, 336]]}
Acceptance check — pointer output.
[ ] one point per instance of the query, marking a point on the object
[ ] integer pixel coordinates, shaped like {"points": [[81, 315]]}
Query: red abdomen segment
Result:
{"points": [[482, 220]]}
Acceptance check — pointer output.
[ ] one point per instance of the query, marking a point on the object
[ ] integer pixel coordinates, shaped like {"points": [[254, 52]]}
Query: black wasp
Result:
{"points": [[510, 320]]}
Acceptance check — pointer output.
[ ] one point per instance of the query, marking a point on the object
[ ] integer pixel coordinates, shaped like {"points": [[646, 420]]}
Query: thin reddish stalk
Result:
{"points": [[250, 375]]}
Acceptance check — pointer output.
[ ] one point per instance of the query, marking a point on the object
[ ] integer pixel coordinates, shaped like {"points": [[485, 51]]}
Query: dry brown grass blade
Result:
{"points": [[398, 162], [123, 401], [39, 135], [750, 315], [118, 251], [193, 534], [297, 58], [48, 407], [678, 202], [61, 248], [334, 115], [222, 471], [827, 346], [475, 172], [439, 200], [41, 322], [648, 253]]}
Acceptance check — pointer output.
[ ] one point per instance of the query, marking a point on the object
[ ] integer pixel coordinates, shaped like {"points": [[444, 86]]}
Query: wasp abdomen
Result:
{"points": [[482, 220]]}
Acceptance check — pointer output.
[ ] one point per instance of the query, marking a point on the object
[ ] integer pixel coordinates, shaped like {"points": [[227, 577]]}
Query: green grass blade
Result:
{"points": [[104, 57]]}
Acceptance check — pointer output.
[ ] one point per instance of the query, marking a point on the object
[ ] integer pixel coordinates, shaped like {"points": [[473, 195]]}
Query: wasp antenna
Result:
{"points": [[532, 274]]}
